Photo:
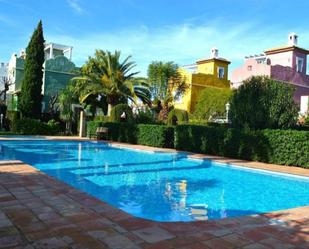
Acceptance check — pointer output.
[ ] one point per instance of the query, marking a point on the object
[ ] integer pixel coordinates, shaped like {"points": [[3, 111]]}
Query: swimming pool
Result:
{"points": [[160, 186]]}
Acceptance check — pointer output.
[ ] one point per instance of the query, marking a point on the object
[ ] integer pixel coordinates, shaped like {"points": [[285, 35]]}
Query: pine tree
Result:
{"points": [[30, 101]]}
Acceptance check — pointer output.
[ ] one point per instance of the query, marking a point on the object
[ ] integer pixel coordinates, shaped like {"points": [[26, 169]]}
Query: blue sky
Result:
{"points": [[168, 30]]}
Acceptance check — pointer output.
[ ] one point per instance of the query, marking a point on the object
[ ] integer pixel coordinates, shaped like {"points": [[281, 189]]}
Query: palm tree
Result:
{"points": [[167, 85], [105, 75], [66, 99]]}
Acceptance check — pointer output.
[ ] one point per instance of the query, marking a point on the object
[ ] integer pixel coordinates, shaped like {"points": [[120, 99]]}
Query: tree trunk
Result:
{"points": [[109, 109], [163, 114], [68, 127], [82, 124]]}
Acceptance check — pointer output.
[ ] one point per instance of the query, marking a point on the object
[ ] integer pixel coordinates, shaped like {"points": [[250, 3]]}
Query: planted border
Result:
{"points": [[144, 134], [155, 135], [285, 147]]}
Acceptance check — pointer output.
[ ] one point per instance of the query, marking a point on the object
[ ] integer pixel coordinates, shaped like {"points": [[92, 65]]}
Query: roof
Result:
{"points": [[189, 65], [285, 49], [57, 46], [212, 59]]}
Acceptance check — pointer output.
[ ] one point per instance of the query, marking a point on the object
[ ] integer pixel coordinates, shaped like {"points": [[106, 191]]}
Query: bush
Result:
{"points": [[264, 103], [155, 135], [118, 110], [306, 121], [27, 126], [211, 102], [11, 120], [288, 147], [151, 135], [101, 118], [146, 117], [177, 116], [120, 132], [54, 126], [284, 147]]}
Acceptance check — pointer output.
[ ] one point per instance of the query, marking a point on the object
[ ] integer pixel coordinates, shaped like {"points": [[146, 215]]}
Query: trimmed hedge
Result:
{"points": [[155, 135], [286, 147], [151, 135], [120, 132], [28, 126], [289, 147]]}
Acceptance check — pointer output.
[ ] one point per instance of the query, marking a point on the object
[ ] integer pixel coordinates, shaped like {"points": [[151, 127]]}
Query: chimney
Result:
{"points": [[22, 54], [292, 41], [214, 53]]}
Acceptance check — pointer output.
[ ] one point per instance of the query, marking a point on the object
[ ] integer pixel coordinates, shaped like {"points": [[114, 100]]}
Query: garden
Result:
{"points": [[262, 122]]}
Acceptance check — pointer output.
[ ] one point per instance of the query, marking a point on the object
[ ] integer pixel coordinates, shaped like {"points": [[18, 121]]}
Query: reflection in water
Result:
{"points": [[106, 168], [183, 194], [199, 211], [223, 212], [177, 194], [79, 154], [168, 191]]}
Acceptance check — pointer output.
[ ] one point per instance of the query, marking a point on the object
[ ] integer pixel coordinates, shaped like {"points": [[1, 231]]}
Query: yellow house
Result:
{"points": [[211, 72]]}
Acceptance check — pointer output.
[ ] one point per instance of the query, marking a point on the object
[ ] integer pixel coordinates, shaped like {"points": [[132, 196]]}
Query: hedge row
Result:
{"points": [[155, 135], [144, 134], [27, 126], [286, 147]]}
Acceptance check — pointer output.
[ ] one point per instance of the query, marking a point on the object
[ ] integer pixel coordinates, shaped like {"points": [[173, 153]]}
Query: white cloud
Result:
{"points": [[75, 6], [183, 44], [7, 20]]}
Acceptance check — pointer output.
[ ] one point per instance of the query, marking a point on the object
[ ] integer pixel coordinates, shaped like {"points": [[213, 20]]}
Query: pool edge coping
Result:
{"points": [[13, 163]]}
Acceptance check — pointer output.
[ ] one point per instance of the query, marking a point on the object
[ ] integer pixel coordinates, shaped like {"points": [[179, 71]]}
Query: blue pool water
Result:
{"points": [[160, 186]]}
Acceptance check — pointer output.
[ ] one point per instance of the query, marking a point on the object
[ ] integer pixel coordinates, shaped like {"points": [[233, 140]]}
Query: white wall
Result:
{"points": [[304, 102]]}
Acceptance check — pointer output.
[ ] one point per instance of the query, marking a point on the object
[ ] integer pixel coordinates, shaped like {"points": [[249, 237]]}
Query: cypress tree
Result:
{"points": [[30, 101]]}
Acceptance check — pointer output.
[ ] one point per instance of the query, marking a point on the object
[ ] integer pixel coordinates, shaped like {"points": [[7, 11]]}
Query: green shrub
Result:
{"points": [[306, 121], [262, 103], [286, 147], [11, 118], [155, 135], [101, 118], [7, 133], [27, 126], [118, 110], [177, 116], [92, 127], [151, 135], [146, 117], [54, 126], [211, 103], [120, 132]]}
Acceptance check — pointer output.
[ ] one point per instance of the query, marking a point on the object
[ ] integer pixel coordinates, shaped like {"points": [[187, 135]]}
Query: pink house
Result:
{"points": [[287, 63]]}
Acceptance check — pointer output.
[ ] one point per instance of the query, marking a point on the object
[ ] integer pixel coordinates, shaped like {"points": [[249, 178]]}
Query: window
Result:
{"points": [[299, 64], [249, 68], [220, 72], [177, 98]]}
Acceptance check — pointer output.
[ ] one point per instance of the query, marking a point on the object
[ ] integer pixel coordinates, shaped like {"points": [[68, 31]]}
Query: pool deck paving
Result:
{"points": [[39, 211]]}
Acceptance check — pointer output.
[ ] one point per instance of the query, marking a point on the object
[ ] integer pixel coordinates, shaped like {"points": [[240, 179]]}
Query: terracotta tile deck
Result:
{"points": [[38, 211]]}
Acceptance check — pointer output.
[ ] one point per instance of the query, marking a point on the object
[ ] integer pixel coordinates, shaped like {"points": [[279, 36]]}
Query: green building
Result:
{"points": [[58, 70]]}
